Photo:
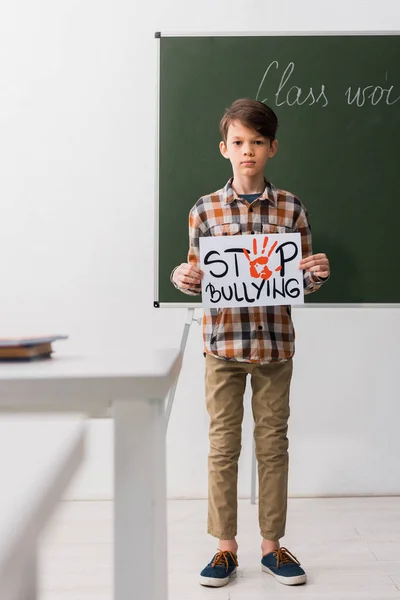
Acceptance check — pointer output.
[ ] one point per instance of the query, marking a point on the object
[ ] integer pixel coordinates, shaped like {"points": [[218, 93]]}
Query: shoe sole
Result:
{"points": [[216, 581], [286, 580]]}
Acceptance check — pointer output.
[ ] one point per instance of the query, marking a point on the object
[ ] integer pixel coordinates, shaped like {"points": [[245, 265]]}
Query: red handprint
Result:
{"points": [[259, 264]]}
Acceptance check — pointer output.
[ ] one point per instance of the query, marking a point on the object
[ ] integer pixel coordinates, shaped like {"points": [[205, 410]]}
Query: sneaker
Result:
{"points": [[284, 567], [219, 571]]}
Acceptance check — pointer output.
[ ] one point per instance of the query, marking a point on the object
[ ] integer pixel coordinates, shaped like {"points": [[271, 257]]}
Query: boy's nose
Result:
{"points": [[248, 151]]}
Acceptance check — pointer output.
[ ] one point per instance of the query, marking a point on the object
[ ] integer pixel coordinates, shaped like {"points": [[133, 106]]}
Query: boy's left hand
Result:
{"points": [[318, 264]]}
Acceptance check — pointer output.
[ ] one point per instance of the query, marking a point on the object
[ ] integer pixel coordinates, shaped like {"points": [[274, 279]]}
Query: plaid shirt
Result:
{"points": [[249, 334]]}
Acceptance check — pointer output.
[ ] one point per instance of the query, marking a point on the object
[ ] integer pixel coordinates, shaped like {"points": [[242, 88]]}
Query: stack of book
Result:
{"points": [[28, 348]]}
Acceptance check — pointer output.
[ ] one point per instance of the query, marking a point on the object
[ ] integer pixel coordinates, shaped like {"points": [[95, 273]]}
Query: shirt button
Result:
{"points": [[251, 210], [259, 327]]}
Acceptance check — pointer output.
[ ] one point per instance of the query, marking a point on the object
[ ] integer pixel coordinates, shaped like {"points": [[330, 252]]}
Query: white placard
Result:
{"points": [[251, 270]]}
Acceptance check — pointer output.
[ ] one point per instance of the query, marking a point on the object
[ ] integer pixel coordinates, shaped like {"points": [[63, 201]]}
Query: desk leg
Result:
{"points": [[29, 582], [140, 523]]}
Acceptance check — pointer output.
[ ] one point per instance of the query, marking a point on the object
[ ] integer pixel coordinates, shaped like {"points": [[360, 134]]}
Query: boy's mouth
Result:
{"points": [[248, 162]]}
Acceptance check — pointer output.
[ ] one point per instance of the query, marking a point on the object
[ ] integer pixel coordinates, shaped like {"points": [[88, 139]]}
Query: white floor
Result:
{"points": [[350, 548]]}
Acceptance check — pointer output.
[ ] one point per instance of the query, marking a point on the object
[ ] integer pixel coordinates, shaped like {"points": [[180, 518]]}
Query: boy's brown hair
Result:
{"points": [[253, 114]]}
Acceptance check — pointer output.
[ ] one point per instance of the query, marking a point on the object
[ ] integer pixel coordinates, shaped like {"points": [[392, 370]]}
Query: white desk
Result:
{"points": [[131, 388], [38, 458]]}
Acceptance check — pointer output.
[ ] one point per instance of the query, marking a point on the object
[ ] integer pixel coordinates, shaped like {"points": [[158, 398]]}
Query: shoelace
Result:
{"points": [[221, 558], [283, 556]]}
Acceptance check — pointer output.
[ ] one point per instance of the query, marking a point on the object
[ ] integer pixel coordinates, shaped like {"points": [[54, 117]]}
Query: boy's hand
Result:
{"points": [[186, 276], [318, 264]]}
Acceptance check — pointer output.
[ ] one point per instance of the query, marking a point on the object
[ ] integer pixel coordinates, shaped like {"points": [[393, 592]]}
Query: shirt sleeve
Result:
{"points": [[193, 257], [311, 282]]}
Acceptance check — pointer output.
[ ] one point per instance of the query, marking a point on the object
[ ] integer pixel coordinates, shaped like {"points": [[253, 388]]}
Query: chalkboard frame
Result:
{"points": [[158, 35]]}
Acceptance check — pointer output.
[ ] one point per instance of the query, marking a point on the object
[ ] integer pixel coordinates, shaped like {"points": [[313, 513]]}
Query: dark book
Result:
{"points": [[26, 352]]}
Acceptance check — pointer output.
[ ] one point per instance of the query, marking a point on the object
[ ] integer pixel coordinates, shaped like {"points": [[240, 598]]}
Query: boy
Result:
{"points": [[255, 341]]}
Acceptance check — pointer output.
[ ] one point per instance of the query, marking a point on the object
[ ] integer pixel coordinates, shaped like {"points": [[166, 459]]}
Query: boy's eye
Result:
{"points": [[257, 142]]}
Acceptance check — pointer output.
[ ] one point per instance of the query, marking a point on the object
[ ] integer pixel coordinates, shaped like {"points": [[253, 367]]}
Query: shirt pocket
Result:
{"points": [[225, 229], [275, 228]]}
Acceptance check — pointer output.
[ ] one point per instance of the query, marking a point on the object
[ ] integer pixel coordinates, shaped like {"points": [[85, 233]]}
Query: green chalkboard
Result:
{"points": [[337, 98]]}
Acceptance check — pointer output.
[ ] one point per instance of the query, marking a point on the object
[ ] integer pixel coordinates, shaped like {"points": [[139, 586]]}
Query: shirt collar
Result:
{"points": [[269, 193]]}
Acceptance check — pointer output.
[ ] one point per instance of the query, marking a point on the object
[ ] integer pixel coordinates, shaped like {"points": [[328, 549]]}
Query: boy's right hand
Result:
{"points": [[186, 276]]}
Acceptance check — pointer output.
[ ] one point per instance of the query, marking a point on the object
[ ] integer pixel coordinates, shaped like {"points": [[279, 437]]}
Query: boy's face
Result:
{"points": [[247, 150]]}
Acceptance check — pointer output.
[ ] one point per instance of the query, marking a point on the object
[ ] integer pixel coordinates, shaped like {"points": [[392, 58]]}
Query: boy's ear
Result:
{"points": [[273, 148], [223, 149]]}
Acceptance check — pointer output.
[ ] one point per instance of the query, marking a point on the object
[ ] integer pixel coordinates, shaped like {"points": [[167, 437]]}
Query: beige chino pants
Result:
{"points": [[225, 386]]}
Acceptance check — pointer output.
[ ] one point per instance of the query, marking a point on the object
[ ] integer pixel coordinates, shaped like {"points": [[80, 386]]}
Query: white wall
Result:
{"points": [[77, 105]]}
